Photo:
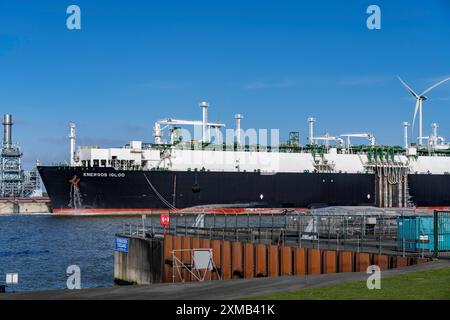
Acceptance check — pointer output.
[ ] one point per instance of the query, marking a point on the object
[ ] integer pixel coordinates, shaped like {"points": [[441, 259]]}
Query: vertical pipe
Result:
{"points": [[434, 126], [217, 139], [380, 191], [405, 134], [7, 129], [390, 195], [238, 118], [394, 195], [157, 133], [72, 143], [311, 121], [204, 105], [405, 191], [385, 193]]}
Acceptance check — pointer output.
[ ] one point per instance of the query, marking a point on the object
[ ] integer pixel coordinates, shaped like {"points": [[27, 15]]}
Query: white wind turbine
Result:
{"points": [[419, 101]]}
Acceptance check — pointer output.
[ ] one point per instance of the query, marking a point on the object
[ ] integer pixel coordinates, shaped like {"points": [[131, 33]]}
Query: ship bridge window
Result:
{"points": [[95, 163], [103, 163]]}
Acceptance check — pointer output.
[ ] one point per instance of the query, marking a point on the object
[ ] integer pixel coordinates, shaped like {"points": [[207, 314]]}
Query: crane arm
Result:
{"points": [[189, 123]]}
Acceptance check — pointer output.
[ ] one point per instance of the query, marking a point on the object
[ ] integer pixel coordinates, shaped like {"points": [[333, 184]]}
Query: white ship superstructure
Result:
{"points": [[236, 167]]}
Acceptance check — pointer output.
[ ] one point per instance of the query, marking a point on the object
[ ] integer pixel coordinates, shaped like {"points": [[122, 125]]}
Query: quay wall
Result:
{"points": [[142, 264], [151, 260], [17, 206]]}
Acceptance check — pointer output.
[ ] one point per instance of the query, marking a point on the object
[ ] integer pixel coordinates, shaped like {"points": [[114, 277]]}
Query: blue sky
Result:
{"points": [[277, 62]]}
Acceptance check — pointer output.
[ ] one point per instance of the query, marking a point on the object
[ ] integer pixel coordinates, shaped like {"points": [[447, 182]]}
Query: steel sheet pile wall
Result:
{"points": [[150, 260], [237, 260]]}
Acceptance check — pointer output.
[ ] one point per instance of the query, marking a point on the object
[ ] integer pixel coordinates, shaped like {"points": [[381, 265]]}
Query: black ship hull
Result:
{"points": [[76, 189], [110, 190]]}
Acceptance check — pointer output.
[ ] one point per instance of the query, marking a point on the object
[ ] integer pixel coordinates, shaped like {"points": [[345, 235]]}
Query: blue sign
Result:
{"points": [[121, 244]]}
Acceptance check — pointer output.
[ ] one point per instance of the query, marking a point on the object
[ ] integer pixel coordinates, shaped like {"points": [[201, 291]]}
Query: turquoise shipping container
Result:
{"points": [[417, 233]]}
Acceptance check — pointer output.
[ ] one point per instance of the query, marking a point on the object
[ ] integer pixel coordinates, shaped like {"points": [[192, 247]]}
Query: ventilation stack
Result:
{"points": [[72, 143], [311, 121], [238, 118], [7, 131], [405, 134], [204, 105]]}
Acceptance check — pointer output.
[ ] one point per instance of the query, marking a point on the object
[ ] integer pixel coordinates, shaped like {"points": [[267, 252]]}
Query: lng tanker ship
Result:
{"points": [[242, 170], [208, 173]]}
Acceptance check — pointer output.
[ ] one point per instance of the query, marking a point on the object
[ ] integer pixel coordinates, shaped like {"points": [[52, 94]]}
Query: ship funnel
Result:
{"points": [[405, 134], [204, 105], [311, 121], [72, 143], [7, 127], [238, 118]]}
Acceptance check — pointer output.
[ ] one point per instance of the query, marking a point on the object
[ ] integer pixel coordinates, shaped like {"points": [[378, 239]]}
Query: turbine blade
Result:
{"points": [[434, 86], [408, 88], [415, 114]]}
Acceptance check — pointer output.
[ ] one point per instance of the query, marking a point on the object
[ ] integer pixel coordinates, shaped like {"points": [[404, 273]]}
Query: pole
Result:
{"points": [[72, 143], [405, 134], [404, 253], [436, 233], [204, 105], [420, 122]]}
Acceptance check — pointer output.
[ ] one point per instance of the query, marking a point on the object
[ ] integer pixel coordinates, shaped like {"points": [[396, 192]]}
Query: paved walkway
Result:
{"points": [[230, 289]]}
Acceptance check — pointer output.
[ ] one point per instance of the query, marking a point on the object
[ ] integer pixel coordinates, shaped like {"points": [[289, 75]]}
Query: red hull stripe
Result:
{"points": [[143, 210], [211, 210]]}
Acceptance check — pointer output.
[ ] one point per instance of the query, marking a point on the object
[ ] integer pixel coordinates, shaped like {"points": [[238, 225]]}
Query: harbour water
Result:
{"points": [[41, 247]]}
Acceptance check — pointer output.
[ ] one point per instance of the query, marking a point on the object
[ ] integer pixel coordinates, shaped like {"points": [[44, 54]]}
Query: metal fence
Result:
{"points": [[375, 231]]}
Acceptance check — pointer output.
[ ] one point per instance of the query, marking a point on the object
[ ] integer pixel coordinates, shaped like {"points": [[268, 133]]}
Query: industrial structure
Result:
{"points": [[15, 182], [180, 170]]}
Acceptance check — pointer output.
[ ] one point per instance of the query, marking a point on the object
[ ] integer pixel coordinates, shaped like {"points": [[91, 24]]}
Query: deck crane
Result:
{"points": [[327, 138], [368, 136], [157, 131], [204, 124]]}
